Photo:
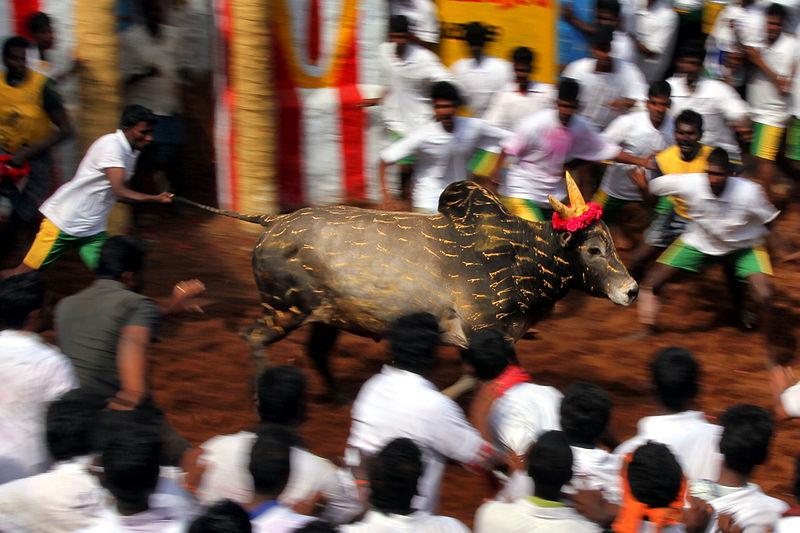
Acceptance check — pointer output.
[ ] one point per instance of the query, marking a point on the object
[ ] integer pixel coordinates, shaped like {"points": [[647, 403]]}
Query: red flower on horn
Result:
{"points": [[591, 215]]}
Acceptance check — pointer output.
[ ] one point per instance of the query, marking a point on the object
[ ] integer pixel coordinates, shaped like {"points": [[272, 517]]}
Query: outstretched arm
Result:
{"points": [[116, 175]]}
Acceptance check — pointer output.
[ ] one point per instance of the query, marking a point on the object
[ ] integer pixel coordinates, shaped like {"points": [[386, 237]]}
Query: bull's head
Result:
{"points": [[589, 250]]}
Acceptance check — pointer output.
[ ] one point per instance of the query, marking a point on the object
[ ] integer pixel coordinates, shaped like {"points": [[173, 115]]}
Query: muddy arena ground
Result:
{"points": [[201, 372]]}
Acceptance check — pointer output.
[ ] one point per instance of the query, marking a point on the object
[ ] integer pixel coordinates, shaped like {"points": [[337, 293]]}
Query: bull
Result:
{"points": [[473, 265]]}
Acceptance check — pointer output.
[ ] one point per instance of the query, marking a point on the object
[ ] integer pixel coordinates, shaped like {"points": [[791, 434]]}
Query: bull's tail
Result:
{"points": [[255, 219]]}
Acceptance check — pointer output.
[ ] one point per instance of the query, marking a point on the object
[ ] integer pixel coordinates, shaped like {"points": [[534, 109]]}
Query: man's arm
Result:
{"points": [[116, 175], [782, 83], [585, 28], [132, 367], [625, 157]]}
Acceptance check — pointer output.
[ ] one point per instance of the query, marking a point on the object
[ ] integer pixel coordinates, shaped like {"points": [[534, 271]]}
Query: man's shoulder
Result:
{"points": [[228, 443], [579, 66]]}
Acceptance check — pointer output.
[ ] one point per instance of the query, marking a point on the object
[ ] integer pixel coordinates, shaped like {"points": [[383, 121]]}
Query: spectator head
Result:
{"points": [[413, 340], [317, 526], [567, 102], [121, 259], [522, 58], [399, 32], [689, 58], [718, 168], [475, 34], [775, 19], [676, 377], [550, 464], [654, 475], [223, 517], [658, 102], [269, 461], [21, 297], [607, 13], [585, 411], [601, 48], [14, 58], [70, 422], [281, 396], [489, 353], [130, 464], [688, 132], [40, 29], [444, 90], [746, 435], [137, 124], [393, 476]]}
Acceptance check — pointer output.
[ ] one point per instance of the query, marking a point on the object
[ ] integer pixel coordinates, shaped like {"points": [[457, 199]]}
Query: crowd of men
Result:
{"points": [[85, 448]]}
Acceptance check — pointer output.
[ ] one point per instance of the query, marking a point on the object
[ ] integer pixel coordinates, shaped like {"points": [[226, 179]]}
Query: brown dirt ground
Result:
{"points": [[201, 372]]}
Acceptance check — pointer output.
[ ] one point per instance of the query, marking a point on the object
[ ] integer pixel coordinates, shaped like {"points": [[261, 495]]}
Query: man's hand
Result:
{"points": [[726, 524], [163, 198], [697, 515], [592, 505], [368, 102], [182, 292]]}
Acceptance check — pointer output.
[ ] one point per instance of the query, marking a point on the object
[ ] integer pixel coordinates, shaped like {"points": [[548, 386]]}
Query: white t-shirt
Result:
{"points": [[400, 404], [657, 29], [790, 400], [167, 514], [442, 156], [482, 80], [416, 522], [750, 508], [719, 225], [637, 136], [543, 145], [599, 89], [32, 374], [790, 524], [524, 515], [80, 207], [595, 469], [717, 102], [407, 105], [693, 441], [227, 475], [510, 106], [279, 519], [523, 413], [623, 47], [767, 104]]}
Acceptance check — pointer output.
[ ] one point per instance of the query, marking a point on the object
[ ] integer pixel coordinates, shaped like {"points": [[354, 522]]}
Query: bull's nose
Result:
{"points": [[633, 293]]}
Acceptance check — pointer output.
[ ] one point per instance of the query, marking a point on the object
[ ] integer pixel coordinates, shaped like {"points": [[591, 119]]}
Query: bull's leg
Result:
{"points": [[271, 327], [320, 342]]}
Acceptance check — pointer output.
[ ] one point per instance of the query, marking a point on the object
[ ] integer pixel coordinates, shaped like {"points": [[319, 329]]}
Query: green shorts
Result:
{"points": [[410, 160], [482, 162], [766, 141], [51, 243], [527, 209], [793, 139], [746, 261], [611, 205]]}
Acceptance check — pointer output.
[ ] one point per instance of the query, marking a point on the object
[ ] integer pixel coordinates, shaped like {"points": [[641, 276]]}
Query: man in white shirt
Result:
{"points": [[393, 478], [400, 402], [739, 24], [521, 97], [745, 444], [481, 76], [443, 149], [76, 214], [640, 134], [422, 18], [725, 114], [728, 224], [542, 144], [655, 35], [32, 373], [281, 401], [692, 439], [550, 463], [609, 86]]}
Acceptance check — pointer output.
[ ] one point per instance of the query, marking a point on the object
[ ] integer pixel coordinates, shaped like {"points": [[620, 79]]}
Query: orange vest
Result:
{"points": [[23, 120]]}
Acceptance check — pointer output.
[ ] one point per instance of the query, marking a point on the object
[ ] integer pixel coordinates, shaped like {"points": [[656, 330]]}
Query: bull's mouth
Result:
{"points": [[626, 294]]}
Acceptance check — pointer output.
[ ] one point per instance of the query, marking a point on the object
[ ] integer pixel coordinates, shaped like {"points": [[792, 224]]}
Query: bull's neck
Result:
{"points": [[546, 272]]}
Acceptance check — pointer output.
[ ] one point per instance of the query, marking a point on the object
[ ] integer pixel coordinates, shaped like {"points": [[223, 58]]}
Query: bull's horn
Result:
{"points": [[563, 211], [575, 197]]}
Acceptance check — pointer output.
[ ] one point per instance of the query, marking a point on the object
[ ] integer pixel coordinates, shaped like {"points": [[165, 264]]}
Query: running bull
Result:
{"points": [[473, 265]]}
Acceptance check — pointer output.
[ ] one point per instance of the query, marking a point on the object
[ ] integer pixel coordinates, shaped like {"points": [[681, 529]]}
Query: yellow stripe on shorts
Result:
{"points": [[520, 208], [670, 253], [42, 245], [600, 197], [762, 258]]}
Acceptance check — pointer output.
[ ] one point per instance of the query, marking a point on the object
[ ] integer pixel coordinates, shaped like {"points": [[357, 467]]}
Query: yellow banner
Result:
{"points": [[511, 23]]}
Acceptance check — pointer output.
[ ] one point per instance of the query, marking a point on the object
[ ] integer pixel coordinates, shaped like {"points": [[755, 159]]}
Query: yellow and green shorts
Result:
{"points": [[51, 243], [482, 162], [527, 209], [746, 261], [793, 139], [610, 204], [766, 141]]}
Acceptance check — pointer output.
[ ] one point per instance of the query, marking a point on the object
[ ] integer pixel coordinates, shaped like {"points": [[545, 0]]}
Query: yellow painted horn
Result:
{"points": [[563, 211], [575, 197]]}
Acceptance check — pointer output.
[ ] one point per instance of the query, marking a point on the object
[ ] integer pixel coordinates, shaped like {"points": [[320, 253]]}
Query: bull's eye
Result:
{"points": [[594, 250]]}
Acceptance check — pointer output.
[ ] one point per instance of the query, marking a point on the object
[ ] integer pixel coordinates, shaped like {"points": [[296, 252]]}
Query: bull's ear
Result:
{"points": [[566, 238]]}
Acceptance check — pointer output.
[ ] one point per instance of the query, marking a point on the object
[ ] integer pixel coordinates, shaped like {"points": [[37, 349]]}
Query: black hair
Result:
{"points": [[489, 353], [444, 90], [224, 516], [39, 22], [130, 462], [659, 88], [602, 37], [398, 24], [20, 295], [568, 90], [746, 434], [118, 255], [719, 157], [654, 475], [522, 54], [475, 33], [14, 42], [776, 10], [693, 48], [550, 464], [69, 424], [134, 114], [690, 117], [413, 340], [281, 395], [317, 526], [585, 411], [269, 460], [393, 476], [676, 376], [612, 6]]}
